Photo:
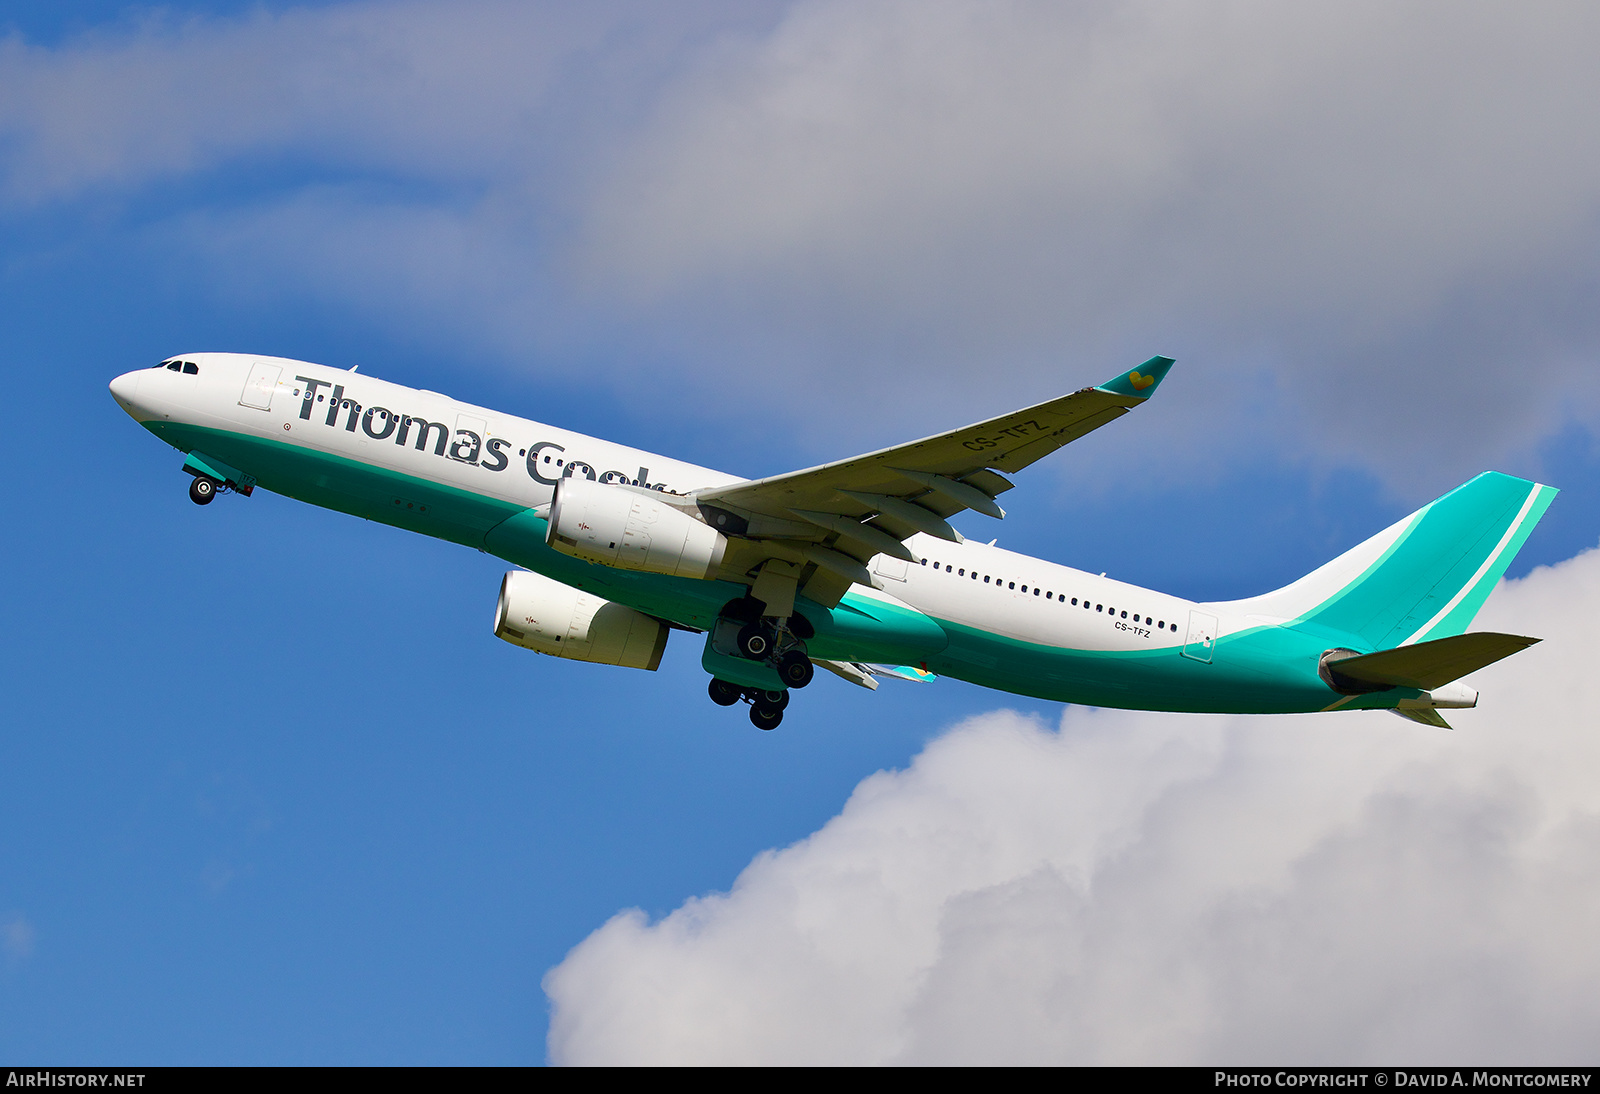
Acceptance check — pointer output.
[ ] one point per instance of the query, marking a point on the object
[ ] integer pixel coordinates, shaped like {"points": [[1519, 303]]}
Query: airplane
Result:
{"points": [[851, 566]]}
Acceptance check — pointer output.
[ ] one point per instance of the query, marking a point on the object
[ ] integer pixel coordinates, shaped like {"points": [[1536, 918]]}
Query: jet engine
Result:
{"points": [[546, 616], [631, 529]]}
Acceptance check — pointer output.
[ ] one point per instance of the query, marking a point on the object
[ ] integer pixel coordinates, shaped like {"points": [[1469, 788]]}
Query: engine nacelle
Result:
{"points": [[632, 530], [546, 616]]}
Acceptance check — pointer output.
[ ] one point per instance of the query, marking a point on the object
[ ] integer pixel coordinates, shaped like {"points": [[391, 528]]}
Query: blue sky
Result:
{"points": [[273, 791]]}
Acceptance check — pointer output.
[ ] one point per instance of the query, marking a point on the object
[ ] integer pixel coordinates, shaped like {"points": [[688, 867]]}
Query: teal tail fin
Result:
{"points": [[1423, 578]]}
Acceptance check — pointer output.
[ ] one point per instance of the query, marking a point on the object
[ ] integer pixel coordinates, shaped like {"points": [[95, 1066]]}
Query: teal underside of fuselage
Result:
{"points": [[1265, 670]]}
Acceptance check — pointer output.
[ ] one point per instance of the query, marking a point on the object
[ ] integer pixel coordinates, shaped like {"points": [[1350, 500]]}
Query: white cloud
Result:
{"points": [[1139, 888], [1382, 215], [1368, 230], [429, 93]]}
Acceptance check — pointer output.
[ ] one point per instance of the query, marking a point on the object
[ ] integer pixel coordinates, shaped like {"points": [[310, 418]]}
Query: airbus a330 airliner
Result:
{"points": [[852, 566]]}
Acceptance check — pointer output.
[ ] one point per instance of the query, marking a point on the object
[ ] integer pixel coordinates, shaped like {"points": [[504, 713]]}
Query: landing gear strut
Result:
{"points": [[777, 644]]}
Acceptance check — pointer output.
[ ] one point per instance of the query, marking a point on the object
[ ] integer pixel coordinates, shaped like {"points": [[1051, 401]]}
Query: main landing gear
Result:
{"points": [[766, 707], [777, 645]]}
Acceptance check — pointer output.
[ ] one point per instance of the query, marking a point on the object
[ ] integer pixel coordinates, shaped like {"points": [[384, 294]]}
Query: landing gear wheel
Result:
{"points": [[723, 693], [772, 700], [765, 717], [795, 669], [754, 641], [202, 490]]}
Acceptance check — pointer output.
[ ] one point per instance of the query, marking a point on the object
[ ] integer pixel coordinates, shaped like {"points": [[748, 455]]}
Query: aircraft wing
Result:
{"points": [[830, 520]]}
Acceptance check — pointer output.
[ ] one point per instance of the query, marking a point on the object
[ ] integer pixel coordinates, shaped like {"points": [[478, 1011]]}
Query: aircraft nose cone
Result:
{"points": [[125, 389]]}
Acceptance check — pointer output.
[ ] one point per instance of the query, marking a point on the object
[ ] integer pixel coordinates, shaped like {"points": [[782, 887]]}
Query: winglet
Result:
{"points": [[1141, 383]]}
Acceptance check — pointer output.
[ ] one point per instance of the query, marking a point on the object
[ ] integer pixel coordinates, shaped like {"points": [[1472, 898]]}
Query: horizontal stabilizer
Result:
{"points": [[1426, 715], [904, 672], [1429, 665], [858, 674], [867, 675]]}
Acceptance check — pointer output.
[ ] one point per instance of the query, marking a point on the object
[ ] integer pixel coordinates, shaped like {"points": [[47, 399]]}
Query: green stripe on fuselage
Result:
{"points": [[1266, 670], [1263, 670], [859, 629], [349, 486]]}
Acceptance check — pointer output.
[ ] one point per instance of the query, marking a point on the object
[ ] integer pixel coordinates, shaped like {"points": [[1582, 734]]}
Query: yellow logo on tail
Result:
{"points": [[1140, 381]]}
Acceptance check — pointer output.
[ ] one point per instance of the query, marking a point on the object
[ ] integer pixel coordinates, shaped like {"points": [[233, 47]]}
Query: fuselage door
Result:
{"points": [[1202, 637], [259, 387], [885, 566]]}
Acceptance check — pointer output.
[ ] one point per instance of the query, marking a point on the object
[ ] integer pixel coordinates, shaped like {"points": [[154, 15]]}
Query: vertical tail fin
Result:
{"points": [[1422, 578]]}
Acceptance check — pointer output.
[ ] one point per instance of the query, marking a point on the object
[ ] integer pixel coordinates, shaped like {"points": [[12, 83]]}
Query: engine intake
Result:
{"points": [[631, 529], [546, 616]]}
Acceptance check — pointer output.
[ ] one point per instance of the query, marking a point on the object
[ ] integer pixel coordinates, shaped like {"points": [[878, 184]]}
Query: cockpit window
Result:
{"points": [[163, 364], [191, 369], [175, 366]]}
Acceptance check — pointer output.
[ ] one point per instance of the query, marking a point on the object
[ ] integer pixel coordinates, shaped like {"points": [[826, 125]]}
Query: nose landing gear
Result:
{"points": [[202, 490], [213, 477]]}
